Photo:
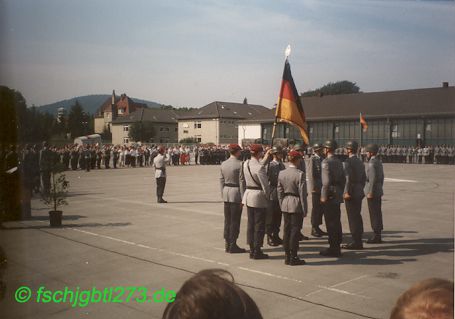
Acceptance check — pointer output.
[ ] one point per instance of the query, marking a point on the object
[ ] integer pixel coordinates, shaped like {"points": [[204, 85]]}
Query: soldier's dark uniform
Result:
{"points": [[333, 182], [314, 187], [302, 167], [354, 171], [273, 218], [107, 156], [115, 157], [87, 159], [374, 191], [46, 160], [66, 158], [74, 158]]}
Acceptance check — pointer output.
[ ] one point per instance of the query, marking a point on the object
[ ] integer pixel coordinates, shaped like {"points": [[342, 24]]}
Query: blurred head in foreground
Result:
{"points": [[212, 293], [428, 299]]}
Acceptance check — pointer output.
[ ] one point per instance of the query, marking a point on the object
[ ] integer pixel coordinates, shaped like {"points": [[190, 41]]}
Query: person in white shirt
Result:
{"points": [[159, 163]]}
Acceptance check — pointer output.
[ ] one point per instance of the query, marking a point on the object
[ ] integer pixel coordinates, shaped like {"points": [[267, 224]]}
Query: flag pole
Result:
{"points": [[361, 131]]}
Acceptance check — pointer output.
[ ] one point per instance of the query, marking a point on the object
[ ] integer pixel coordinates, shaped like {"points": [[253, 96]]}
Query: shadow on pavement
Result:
{"points": [[66, 226]]}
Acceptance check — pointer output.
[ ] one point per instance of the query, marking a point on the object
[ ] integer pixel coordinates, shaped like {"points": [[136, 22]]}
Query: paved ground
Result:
{"points": [[115, 234]]}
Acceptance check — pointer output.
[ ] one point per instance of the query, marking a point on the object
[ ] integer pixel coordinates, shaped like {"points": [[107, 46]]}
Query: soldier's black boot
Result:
{"points": [[376, 239], [277, 239], [330, 252], [258, 254], [303, 237], [161, 200], [287, 257], [295, 260], [317, 232], [271, 241], [234, 249], [226, 246], [251, 252], [355, 245]]}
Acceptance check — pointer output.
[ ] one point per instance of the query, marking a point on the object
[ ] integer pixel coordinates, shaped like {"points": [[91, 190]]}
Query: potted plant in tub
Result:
{"points": [[56, 197]]}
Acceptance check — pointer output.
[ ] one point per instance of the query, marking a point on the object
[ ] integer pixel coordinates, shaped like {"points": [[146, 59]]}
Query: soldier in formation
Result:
{"points": [[230, 193], [374, 192], [314, 187], [255, 190], [333, 182], [273, 220], [353, 195], [292, 195]]}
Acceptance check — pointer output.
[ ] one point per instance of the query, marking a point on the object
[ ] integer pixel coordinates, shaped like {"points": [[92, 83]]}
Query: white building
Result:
{"points": [[217, 122]]}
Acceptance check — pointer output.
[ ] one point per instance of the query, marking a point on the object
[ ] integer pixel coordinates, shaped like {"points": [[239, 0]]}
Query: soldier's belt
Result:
{"points": [[161, 168], [291, 194], [231, 185], [254, 187]]}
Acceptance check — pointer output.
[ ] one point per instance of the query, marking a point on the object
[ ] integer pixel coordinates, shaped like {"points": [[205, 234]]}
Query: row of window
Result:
{"points": [[162, 128], [399, 131], [126, 140]]}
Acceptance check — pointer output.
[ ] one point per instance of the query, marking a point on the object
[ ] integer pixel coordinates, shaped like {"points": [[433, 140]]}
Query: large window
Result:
{"points": [[198, 124], [440, 131], [377, 132], [406, 132], [126, 128], [320, 131]]}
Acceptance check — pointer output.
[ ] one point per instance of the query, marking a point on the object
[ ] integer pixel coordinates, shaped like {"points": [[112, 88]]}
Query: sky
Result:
{"points": [[190, 53]]}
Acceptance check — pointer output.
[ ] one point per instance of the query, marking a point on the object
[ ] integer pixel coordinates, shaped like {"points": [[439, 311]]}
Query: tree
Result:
{"points": [[77, 120], [141, 131], [334, 88]]}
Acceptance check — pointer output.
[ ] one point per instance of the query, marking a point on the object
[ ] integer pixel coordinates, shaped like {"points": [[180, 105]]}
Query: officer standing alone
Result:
{"points": [[230, 192], [159, 162], [292, 194], [255, 190], [353, 194], [333, 182], [374, 192]]}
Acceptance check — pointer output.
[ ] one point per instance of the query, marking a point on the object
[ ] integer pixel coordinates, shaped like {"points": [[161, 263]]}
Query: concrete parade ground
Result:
{"points": [[115, 234]]}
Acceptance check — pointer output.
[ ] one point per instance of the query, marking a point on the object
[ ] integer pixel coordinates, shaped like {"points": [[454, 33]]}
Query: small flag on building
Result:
{"points": [[290, 107], [363, 122]]}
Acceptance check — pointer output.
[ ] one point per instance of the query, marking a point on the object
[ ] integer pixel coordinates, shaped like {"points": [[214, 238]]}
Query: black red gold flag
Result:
{"points": [[289, 108]]}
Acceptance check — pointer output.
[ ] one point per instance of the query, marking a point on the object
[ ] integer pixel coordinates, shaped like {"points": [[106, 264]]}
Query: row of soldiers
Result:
{"points": [[440, 154], [271, 192]]}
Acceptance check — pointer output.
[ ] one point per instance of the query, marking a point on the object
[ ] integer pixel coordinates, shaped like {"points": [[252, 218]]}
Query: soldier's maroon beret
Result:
{"points": [[256, 148], [234, 147], [294, 154]]}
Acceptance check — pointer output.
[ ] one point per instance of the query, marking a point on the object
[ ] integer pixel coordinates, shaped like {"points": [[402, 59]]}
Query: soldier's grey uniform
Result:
{"points": [[355, 182], [230, 192], [46, 162], [159, 162], [273, 220], [333, 182], [255, 190], [292, 195], [314, 187], [374, 186]]}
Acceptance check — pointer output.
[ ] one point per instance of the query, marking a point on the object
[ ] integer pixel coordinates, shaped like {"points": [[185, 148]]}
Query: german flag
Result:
{"points": [[290, 107], [363, 122]]}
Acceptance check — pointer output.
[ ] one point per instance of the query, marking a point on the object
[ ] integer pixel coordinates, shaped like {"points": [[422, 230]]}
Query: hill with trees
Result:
{"points": [[89, 103]]}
